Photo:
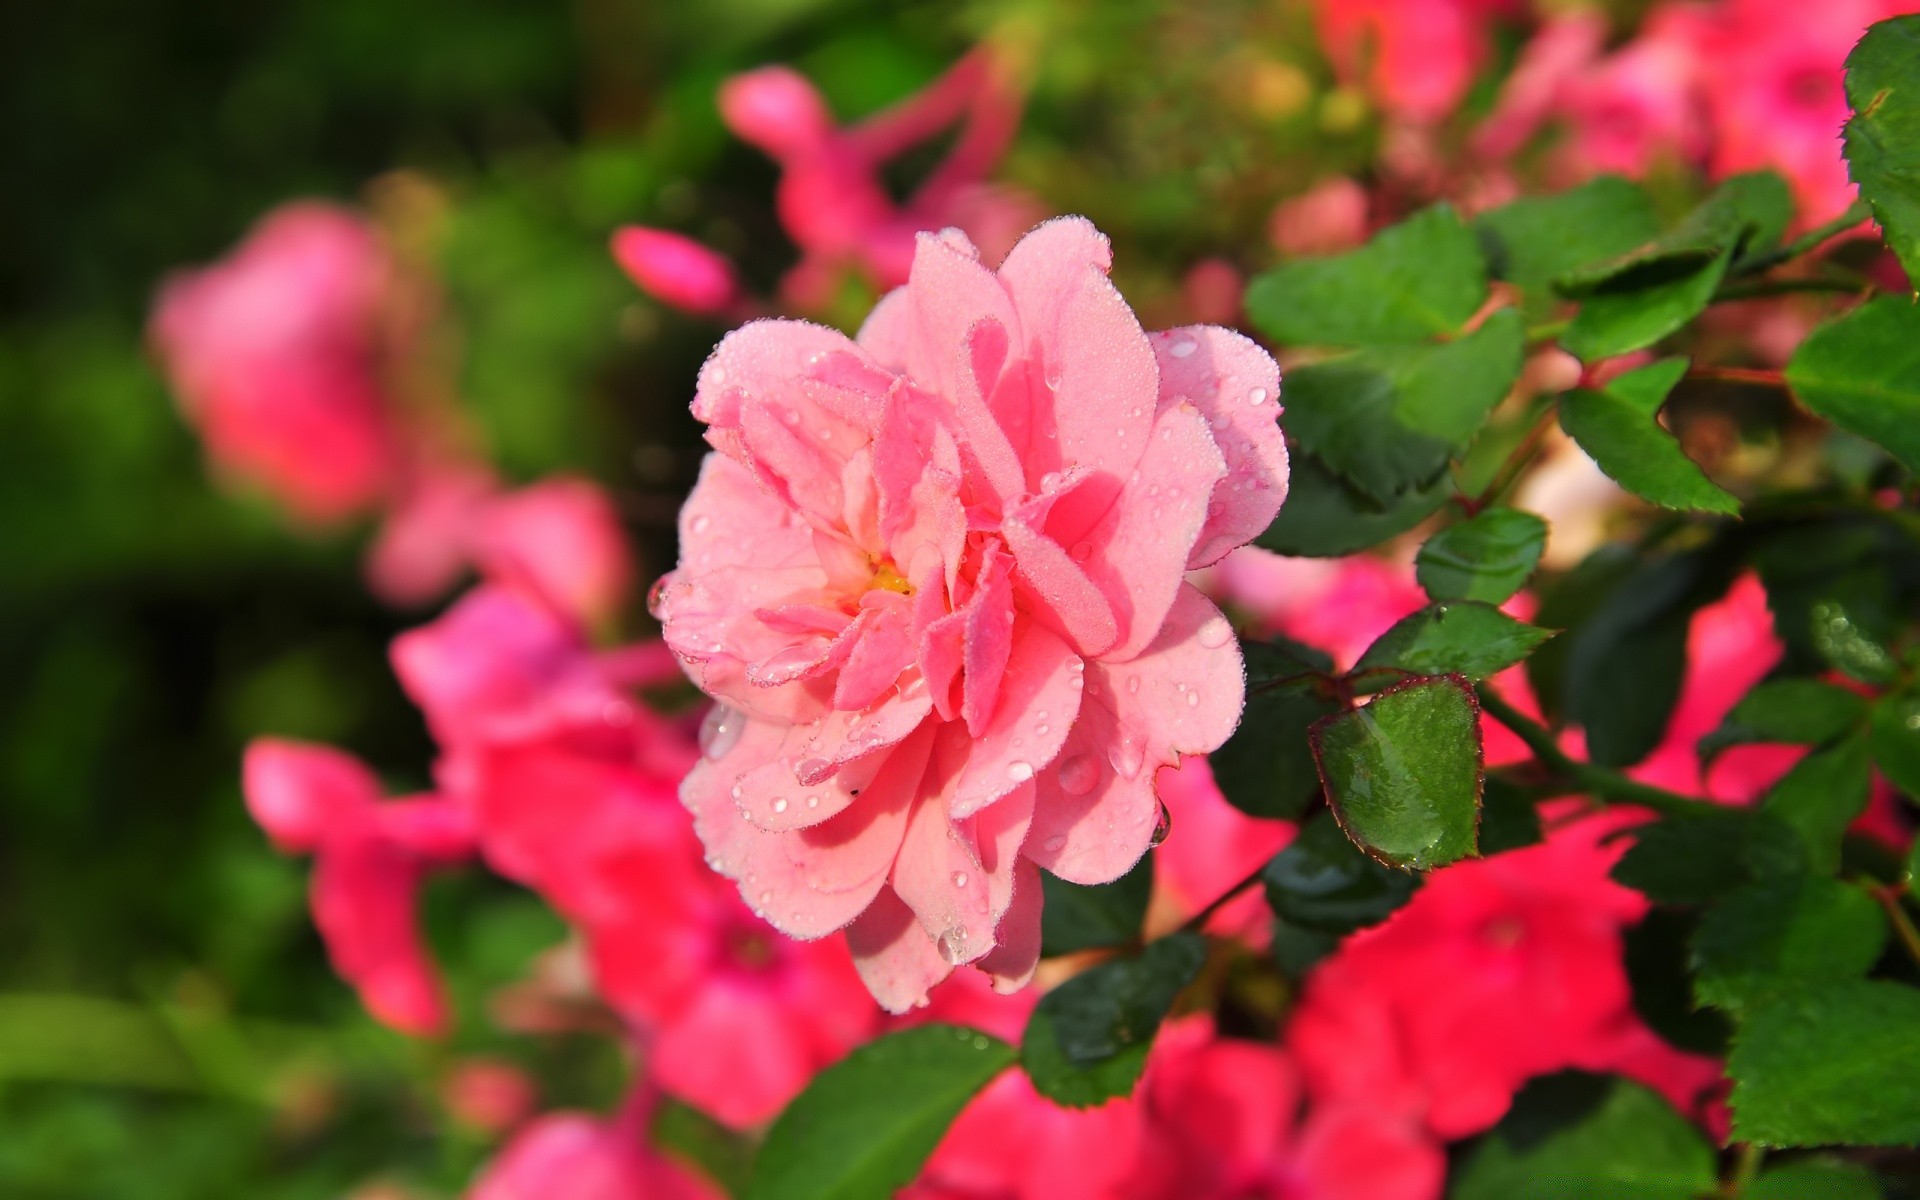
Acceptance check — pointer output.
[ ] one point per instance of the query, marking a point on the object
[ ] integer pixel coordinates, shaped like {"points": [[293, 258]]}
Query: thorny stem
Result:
{"points": [[1194, 923], [1598, 781], [1757, 376]]}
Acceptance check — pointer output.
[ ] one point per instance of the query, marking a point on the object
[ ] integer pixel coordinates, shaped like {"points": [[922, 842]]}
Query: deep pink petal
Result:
{"points": [[299, 792], [1016, 951]]}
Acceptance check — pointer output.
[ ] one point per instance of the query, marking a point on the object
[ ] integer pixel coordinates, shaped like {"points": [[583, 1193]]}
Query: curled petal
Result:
{"points": [[1236, 386]]}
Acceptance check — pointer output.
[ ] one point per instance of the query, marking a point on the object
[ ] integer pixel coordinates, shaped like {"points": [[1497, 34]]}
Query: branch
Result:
{"points": [[1598, 781], [1856, 212]]}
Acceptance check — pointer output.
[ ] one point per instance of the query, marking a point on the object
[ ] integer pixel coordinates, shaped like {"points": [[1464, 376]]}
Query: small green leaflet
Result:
{"points": [[1617, 427]]}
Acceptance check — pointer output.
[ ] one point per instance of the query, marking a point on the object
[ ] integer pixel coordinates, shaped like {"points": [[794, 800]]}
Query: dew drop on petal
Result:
{"points": [[1215, 633], [1056, 841], [1182, 349], [953, 945], [1081, 551], [700, 523], [813, 802], [656, 599], [1257, 397], [1162, 826], [780, 805], [720, 731], [1133, 685], [1078, 775], [959, 879], [1127, 755], [1019, 771], [1193, 698]]}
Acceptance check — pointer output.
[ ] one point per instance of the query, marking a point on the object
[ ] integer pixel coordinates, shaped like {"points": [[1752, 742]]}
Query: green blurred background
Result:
{"points": [[168, 1025]]}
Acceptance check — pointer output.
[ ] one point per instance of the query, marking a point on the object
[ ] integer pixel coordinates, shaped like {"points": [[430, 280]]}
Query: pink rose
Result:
{"points": [[559, 540], [1416, 57], [676, 269], [370, 855], [572, 1156], [1327, 218], [274, 355], [938, 571]]}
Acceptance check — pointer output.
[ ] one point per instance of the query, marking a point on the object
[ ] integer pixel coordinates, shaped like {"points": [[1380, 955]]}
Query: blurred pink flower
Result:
{"points": [[1564, 46], [1327, 218], [489, 1095], [1417, 58], [940, 573], [676, 269], [1640, 103], [572, 1156], [1212, 846], [561, 541], [1212, 1119], [274, 354], [1211, 292], [1339, 605], [832, 199], [1498, 969], [369, 856], [424, 543]]}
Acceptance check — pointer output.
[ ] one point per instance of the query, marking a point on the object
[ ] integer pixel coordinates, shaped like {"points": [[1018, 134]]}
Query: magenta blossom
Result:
{"points": [[937, 576], [1415, 57], [676, 269], [572, 1156], [370, 856], [274, 354]]}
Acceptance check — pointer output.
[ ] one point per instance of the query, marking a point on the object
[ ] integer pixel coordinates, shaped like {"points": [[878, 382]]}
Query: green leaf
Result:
{"points": [[1862, 372], [1790, 712], [1773, 934], [1388, 419], [1536, 240], [1419, 279], [1658, 957], [1626, 1143], [1571, 601], [1698, 858], [1743, 211], [1620, 321], [1815, 1179], [1077, 917], [1324, 518], [1322, 883], [1459, 638], [1488, 557], [1623, 668], [1266, 768], [1509, 819], [1828, 1064], [1830, 586], [1883, 138], [1087, 1040], [1618, 429], [1821, 796], [1403, 773], [1297, 951], [1895, 740], [864, 1126]]}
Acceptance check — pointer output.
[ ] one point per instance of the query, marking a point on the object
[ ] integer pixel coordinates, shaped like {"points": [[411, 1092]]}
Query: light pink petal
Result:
{"points": [[1092, 379], [1054, 586], [855, 850], [1139, 550], [560, 540], [1097, 807], [885, 649], [938, 875], [732, 1055], [1039, 700], [896, 959], [889, 332], [1016, 951], [1236, 386], [300, 792], [819, 769], [989, 639]]}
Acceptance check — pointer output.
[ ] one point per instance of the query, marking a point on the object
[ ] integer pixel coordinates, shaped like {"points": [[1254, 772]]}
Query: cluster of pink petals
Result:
{"points": [[1416, 58], [369, 858], [832, 198], [1733, 85], [1213, 1118], [281, 356], [573, 790], [573, 1156], [937, 577], [1498, 969]]}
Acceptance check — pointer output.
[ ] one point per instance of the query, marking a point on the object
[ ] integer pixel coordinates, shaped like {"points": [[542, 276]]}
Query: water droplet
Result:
{"points": [[1257, 397], [1042, 730], [780, 805], [1080, 551], [1127, 755], [766, 897], [1078, 775], [719, 374], [979, 1041], [813, 802], [1215, 632], [720, 731], [700, 523], [657, 599], [1056, 841], [953, 945], [813, 770], [1182, 349], [1133, 685], [1019, 771], [1193, 699], [1162, 826], [959, 879]]}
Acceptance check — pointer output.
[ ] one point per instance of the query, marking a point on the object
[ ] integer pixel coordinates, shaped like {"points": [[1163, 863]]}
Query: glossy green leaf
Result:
{"points": [[1828, 1064], [1744, 211], [1403, 773], [1791, 712], [1087, 1040], [1768, 935], [1829, 584], [1862, 372], [1618, 322], [1617, 427], [1538, 239], [1417, 280], [1388, 419], [1266, 768], [1077, 917], [1883, 137], [1462, 637], [1322, 882], [1325, 518], [1698, 858], [1658, 955], [1609, 1138], [1509, 818], [864, 1126], [1895, 740], [1821, 796], [1488, 557]]}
